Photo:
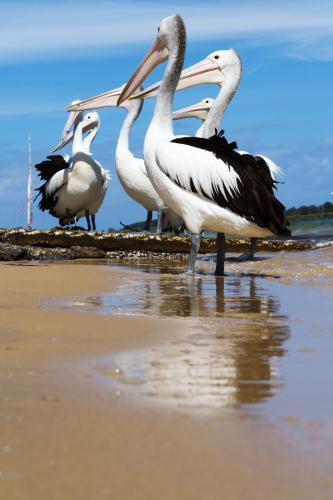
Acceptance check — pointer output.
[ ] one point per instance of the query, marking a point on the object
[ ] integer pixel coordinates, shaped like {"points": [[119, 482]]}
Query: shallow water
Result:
{"points": [[255, 343], [312, 226], [177, 295]]}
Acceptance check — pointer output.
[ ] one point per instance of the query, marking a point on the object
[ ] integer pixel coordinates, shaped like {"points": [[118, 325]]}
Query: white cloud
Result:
{"points": [[38, 30], [312, 48]]}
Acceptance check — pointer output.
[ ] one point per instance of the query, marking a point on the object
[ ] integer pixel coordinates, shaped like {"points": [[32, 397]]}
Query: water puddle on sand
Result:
{"points": [[248, 345], [177, 295], [248, 342]]}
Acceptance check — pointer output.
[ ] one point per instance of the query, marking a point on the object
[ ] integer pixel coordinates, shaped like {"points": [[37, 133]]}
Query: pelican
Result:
{"points": [[131, 171], [76, 186], [205, 181], [227, 75], [199, 110]]}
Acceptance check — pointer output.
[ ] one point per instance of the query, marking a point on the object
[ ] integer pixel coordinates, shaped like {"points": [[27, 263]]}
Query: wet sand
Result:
{"points": [[135, 382]]}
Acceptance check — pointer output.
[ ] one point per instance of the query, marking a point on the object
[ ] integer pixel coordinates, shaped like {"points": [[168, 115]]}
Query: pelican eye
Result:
{"points": [[216, 56]]}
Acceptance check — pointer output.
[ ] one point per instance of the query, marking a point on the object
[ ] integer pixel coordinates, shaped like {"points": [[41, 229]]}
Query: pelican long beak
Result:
{"points": [[107, 99], [63, 142], [205, 71], [67, 133], [156, 55], [199, 110]]}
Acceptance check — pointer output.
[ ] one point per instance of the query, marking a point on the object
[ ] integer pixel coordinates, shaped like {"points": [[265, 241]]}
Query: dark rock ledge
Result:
{"points": [[60, 244]]}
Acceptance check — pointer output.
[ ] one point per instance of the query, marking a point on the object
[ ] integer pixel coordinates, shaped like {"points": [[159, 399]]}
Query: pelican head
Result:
{"points": [[72, 121], [171, 38], [199, 110], [229, 62], [90, 121], [215, 68]]}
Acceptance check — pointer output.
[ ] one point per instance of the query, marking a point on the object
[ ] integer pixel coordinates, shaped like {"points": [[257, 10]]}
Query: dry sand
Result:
{"points": [[149, 405]]}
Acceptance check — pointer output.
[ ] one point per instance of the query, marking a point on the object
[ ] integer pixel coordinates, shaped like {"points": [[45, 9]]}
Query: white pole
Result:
{"points": [[29, 215]]}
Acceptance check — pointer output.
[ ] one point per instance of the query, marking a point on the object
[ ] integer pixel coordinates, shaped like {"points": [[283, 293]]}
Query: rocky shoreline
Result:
{"points": [[62, 244]]}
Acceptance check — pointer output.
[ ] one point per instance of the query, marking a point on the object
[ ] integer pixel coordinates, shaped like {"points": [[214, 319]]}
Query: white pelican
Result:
{"points": [[205, 181], [77, 186], [227, 75], [67, 136], [131, 171], [199, 110]]}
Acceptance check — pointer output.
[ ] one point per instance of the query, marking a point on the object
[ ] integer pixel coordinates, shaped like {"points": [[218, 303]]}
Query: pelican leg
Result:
{"points": [[249, 255], [159, 222], [220, 256], [68, 217], [93, 221], [88, 220], [195, 246], [148, 220]]}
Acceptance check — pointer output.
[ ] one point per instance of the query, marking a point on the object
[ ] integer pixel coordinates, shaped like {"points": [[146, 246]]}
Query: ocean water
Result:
{"points": [[314, 226]]}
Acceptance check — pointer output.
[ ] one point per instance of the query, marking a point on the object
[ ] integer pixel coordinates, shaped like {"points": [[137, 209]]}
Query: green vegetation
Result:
{"points": [[324, 210]]}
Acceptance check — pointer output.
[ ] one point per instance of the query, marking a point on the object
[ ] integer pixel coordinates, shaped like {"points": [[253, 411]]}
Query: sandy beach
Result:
{"points": [[128, 380]]}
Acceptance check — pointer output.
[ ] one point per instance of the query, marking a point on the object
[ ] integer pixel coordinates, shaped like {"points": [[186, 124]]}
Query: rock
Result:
{"points": [[87, 253], [12, 252], [60, 244], [38, 253]]}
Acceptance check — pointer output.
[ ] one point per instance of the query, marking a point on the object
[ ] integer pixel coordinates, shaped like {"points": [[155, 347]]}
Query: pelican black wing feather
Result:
{"points": [[46, 170], [255, 199]]}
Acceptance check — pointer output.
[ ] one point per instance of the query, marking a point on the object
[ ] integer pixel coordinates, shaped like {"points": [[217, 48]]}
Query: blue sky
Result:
{"points": [[52, 52]]}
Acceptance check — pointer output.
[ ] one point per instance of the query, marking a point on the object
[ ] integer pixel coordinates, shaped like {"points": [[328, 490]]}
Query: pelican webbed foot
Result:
{"points": [[250, 254], [195, 246]]}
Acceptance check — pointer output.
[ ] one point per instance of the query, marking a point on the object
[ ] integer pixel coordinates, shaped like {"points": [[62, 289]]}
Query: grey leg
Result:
{"points": [[159, 222], [220, 256], [253, 244], [249, 255], [193, 254], [68, 217], [148, 220], [93, 221], [88, 220]]}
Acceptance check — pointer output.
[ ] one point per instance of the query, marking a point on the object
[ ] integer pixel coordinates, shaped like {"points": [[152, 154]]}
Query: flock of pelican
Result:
{"points": [[201, 182]]}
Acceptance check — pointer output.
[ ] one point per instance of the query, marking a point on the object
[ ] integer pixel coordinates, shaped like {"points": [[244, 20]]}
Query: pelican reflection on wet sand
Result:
{"points": [[229, 358]]}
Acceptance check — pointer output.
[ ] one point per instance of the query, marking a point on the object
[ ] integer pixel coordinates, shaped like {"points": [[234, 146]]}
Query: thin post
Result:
{"points": [[29, 197]]}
